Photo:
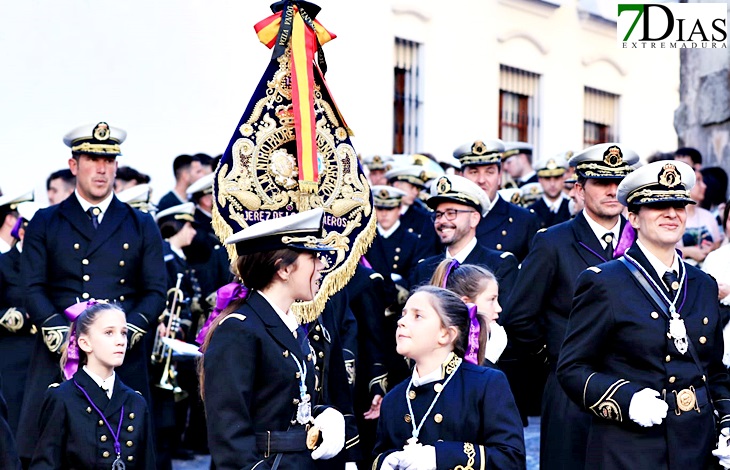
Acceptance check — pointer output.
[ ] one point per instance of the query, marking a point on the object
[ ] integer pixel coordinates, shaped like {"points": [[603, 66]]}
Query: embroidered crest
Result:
{"points": [[669, 176], [101, 131], [443, 186], [377, 159], [551, 164], [516, 199], [613, 156], [478, 148], [383, 194]]}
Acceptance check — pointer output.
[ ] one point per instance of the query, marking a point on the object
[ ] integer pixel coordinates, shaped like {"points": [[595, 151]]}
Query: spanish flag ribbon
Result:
{"points": [[293, 23]]}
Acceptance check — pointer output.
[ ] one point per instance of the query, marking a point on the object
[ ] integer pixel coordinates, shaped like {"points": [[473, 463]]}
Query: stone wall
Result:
{"points": [[703, 117]]}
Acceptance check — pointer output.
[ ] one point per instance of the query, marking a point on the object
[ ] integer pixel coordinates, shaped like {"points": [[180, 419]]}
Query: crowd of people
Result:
{"points": [[500, 285]]}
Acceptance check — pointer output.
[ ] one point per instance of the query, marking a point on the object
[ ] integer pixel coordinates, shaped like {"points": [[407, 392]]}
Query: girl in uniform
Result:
{"points": [[259, 374], [451, 412], [92, 420], [477, 285]]}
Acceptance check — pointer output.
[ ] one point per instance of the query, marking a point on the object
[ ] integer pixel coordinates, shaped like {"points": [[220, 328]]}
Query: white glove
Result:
{"points": [[392, 461], [350, 466], [418, 458], [646, 409], [723, 448], [496, 343], [332, 424]]}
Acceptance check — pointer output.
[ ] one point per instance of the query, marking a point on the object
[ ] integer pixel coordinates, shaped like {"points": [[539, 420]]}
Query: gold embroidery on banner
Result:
{"points": [[263, 175], [471, 454], [13, 320]]}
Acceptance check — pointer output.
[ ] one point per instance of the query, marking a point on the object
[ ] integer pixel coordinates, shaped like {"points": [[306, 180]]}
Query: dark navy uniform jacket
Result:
{"points": [[73, 434], [617, 344], [64, 260], [474, 424], [504, 266], [507, 227], [8, 451], [401, 253], [16, 340], [537, 313], [548, 218], [252, 385]]}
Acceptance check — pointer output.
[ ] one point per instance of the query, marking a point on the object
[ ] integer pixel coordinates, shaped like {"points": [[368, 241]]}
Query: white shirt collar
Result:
{"points": [[177, 251], [107, 385], [287, 317], [461, 256], [390, 231], [656, 263], [103, 205], [4, 246], [527, 176], [492, 202], [434, 376], [555, 206], [600, 231]]}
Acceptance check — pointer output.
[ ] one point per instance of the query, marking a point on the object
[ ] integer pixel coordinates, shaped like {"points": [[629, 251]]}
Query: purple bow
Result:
{"points": [[472, 350], [224, 296], [449, 269], [15, 232], [72, 351], [625, 240]]}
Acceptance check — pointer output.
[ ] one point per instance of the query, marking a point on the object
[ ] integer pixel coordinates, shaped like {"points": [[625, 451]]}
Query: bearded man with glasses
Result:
{"points": [[459, 206]]}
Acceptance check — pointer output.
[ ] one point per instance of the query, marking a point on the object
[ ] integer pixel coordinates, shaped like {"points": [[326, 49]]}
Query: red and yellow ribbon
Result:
{"points": [[294, 26]]}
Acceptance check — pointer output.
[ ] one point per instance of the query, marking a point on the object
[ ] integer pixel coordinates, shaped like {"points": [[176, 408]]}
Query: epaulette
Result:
{"points": [[542, 230], [233, 315], [505, 254], [376, 276], [595, 269], [54, 385]]}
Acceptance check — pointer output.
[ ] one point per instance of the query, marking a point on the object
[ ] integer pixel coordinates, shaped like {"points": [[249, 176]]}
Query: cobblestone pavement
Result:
{"points": [[532, 445]]}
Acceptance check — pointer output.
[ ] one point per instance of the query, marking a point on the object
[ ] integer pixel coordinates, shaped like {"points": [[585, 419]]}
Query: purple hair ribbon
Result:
{"points": [[72, 351], [472, 350], [224, 296], [15, 232], [625, 240], [453, 264], [365, 262]]}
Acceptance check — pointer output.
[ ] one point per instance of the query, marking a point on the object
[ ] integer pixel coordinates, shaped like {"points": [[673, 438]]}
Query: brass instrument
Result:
{"points": [[162, 353]]}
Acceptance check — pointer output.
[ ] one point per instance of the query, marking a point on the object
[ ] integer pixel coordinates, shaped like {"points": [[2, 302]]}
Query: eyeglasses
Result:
{"points": [[450, 214]]}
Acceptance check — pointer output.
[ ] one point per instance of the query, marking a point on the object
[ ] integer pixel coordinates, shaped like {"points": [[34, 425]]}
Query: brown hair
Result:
{"points": [[453, 312], [256, 271], [467, 280], [81, 326]]}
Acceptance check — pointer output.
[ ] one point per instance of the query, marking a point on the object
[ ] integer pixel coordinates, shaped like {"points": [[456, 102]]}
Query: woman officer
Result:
{"points": [[258, 376]]}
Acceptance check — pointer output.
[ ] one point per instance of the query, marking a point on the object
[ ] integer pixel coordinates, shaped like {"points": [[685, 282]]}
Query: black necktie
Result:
{"points": [[608, 251], [94, 214], [672, 281]]}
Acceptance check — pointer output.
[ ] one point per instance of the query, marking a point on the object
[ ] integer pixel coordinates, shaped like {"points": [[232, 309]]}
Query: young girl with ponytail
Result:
{"points": [[92, 420], [451, 412]]}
